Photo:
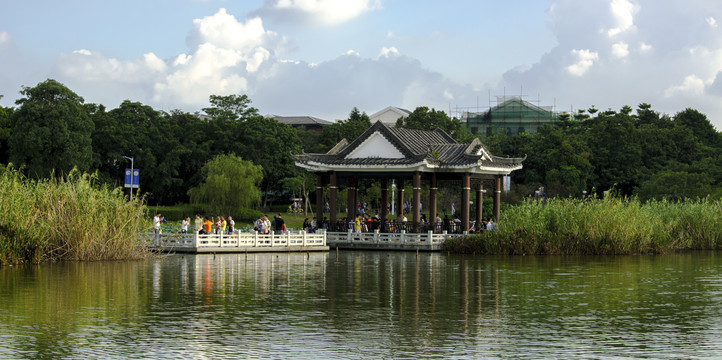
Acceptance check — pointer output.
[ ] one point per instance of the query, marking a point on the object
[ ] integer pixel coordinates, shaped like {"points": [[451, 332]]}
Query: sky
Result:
{"points": [[324, 57]]}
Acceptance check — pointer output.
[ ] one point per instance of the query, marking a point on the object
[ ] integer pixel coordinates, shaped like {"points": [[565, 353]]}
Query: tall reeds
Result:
{"points": [[66, 219], [600, 226]]}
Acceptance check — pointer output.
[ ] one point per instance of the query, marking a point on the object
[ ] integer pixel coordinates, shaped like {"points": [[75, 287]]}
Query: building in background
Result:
{"points": [[306, 122], [512, 115], [389, 115]]}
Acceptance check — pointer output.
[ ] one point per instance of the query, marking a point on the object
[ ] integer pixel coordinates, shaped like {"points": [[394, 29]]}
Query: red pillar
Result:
{"points": [[333, 187], [319, 198], [465, 189], [497, 199], [479, 203], [432, 201], [351, 205], [417, 200]]}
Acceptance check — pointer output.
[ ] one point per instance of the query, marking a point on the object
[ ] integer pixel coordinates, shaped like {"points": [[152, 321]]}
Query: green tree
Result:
{"points": [[267, 142], [700, 126], [5, 130], [424, 119], [231, 107], [51, 130], [229, 184], [348, 129], [675, 186]]}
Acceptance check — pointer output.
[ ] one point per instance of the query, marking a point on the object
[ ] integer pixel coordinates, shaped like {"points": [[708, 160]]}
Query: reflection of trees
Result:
{"points": [[395, 304], [412, 301], [48, 307]]}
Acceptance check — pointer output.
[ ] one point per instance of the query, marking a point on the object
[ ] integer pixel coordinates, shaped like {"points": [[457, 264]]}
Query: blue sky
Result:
{"points": [[324, 57]]}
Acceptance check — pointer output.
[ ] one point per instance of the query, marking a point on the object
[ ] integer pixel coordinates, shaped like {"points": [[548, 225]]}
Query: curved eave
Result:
{"points": [[422, 166]]}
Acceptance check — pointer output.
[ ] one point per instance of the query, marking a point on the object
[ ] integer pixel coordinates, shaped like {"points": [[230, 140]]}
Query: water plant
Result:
{"points": [[66, 218], [610, 225]]}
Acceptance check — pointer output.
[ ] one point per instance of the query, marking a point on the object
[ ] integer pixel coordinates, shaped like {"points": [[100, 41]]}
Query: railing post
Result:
{"points": [[376, 236], [220, 239], [349, 236], [288, 238], [272, 237], [195, 239], [323, 238], [403, 236], [430, 234], [255, 238]]}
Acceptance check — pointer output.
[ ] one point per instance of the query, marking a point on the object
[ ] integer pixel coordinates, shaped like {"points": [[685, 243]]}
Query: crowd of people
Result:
{"points": [[363, 222]]}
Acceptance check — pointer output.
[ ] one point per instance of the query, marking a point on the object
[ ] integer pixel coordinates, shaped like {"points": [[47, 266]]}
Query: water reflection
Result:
{"points": [[365, 305]]}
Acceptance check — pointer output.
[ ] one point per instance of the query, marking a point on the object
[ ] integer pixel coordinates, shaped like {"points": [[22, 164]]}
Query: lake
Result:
{"points": [[365, 304]]}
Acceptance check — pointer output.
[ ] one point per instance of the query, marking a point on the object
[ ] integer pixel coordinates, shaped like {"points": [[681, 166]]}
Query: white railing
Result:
{"points": [[402, 238], [237, 240]]}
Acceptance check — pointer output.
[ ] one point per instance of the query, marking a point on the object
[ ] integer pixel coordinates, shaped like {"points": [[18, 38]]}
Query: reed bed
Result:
{"points": [[610, 225], [66, 219]]}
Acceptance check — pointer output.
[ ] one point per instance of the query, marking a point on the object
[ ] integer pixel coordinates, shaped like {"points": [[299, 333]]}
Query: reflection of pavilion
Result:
{"points": [[384, 153]]}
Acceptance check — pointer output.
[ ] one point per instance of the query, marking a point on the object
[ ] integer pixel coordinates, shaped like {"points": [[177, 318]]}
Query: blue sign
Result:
{"points": [[132, 178]]}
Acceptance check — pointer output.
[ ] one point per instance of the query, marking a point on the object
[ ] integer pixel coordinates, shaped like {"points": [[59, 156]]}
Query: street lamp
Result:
{"points": [[131, 176]]}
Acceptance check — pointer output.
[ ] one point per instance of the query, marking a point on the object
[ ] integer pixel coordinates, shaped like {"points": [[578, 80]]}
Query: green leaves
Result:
{"points": [[230, 183], [51, 131]]}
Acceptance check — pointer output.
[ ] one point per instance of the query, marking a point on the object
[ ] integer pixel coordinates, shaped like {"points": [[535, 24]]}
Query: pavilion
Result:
{"points": [[382, 153]]}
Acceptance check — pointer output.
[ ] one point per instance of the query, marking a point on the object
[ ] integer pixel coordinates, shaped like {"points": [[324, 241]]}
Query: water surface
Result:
{"points": [[360, 305]]}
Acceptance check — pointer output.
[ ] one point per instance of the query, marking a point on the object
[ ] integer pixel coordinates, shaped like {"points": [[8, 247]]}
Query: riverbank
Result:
{"points": [[599, 226], [66, 219]]}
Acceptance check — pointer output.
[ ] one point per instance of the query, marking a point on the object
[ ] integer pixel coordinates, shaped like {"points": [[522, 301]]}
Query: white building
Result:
{"points": [[389, 115]]}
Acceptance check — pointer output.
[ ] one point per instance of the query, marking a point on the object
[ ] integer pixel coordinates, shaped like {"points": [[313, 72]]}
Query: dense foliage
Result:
{"points": [[229, 184], [611, 225], [640, 152], [67, 218], [646, 154]]}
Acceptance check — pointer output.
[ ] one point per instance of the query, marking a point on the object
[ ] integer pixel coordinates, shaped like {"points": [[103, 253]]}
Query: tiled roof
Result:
{"points": [[433, 147], [301, 120]]}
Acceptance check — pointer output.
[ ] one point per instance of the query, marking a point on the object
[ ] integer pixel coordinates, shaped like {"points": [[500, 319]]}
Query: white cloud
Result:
{"points": [[318, 12], [711, 22], [4, 37], [224, 52], [388, 52], [623, 12], [692, 85], [645, 47], [620, 50], [585, 60]]}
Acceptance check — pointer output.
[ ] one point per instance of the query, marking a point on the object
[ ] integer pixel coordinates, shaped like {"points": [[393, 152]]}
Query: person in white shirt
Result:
{"points": [[156, 223], [266, 225]]}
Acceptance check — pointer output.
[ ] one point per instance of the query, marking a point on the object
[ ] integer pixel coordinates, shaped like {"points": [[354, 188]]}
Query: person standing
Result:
{"points": [[357, 224], [208, 225], [279, 224], [231, 225], [198, 225], [266, 225], [184, 225], [156, 224]]}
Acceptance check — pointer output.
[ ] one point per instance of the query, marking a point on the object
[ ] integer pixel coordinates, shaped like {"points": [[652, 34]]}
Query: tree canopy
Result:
{"points": [[51, 130], [229, 184], [636, 151]]}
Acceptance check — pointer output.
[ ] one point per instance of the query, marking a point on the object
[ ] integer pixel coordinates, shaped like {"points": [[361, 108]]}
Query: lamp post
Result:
{"points": [[131, 176]]}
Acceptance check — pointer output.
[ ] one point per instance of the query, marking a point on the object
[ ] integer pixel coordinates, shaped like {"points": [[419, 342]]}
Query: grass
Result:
{"points": [[66, 219], [600, 226]]}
